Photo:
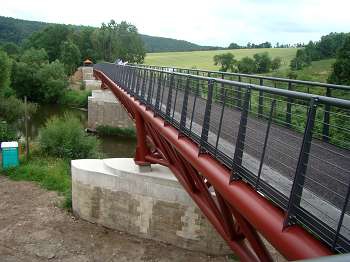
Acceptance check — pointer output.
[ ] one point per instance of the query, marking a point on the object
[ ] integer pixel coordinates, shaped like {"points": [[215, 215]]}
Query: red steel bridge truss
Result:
{"points": [[201, 127]]}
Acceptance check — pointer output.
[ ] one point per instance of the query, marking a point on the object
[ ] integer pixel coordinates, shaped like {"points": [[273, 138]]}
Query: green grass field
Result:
{"points": [[317, 71], [204, 59]]}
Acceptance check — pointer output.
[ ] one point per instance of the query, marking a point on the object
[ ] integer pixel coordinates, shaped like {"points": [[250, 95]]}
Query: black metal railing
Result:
{"points": [[245, 127], [317, 88]]}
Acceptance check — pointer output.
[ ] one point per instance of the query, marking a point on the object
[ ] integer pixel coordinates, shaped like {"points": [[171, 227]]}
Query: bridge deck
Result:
{"points": [[270, 155]]}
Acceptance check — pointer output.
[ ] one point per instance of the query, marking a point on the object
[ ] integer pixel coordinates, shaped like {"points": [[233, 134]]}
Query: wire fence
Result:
{"points": [[271, 138]]}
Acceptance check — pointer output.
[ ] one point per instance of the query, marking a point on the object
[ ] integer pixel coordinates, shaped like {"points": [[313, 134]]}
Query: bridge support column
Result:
{"points": [[141, 149]]}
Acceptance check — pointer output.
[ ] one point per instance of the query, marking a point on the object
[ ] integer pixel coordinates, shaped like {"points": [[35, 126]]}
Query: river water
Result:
{"points": [[111, 146]]}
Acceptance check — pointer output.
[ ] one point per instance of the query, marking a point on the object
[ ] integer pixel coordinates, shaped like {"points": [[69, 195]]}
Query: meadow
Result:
{"points": [[318, 71], [204, 59]]}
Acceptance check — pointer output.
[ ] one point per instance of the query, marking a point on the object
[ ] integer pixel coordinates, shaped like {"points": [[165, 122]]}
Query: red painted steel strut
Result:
{"points": [[237, 211]]}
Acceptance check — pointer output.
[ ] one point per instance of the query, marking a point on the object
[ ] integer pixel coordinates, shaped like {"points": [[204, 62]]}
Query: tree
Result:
{"points": [[263, 62], [341, 67], [276, 63], [118, 41], [247, 65], [70, 56], [50, 38], [33, 76], [11, 49], [301, 60], [234, 46], [5, 71], [227, 62]]}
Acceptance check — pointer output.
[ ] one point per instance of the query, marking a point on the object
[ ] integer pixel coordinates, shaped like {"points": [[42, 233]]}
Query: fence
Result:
{"points": [[269, 137]]}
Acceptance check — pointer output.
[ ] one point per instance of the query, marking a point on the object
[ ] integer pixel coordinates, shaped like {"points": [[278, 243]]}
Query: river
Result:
{"points": [[111, 146]]}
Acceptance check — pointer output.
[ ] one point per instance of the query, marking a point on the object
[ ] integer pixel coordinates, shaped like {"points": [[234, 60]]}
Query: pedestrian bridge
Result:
{"points": [[258, 155]]}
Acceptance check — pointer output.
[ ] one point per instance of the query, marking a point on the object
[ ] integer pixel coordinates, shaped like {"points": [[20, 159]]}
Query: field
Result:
{"points": [[204, 59], [318, 71]]}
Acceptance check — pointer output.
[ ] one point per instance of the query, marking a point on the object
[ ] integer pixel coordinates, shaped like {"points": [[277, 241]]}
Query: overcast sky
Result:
{"points": [[214, 22]]}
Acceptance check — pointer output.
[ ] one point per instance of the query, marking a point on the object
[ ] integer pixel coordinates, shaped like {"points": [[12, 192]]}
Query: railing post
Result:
{"points": [[289, 107], [239, 94], [261, 100], [143, 87], [184, 105], [206, 120], [327, 109], [238, 156], [170, 94], [158, 91], [149, 91], [300, 172]]}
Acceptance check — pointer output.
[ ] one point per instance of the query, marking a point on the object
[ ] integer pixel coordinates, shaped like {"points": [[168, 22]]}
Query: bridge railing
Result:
{"points": [[317, 88], [245, 127]]}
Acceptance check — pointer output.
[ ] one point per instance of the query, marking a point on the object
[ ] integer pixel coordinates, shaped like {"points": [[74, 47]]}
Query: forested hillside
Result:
{"points": [[16, 30]]}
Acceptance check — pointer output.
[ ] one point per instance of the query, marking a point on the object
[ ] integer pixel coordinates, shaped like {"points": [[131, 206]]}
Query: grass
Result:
{"points": [[204, 59], [75, 98], [116, 131], [50, 173]]}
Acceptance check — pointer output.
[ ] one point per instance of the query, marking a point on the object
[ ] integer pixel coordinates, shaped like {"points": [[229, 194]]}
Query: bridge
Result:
{"points": [[257, 156]]}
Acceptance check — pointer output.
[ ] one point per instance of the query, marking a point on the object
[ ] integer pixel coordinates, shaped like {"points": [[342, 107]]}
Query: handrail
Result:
{"points": [[293, 81]]}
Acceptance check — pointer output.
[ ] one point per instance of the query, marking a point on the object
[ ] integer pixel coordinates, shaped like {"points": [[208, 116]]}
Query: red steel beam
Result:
{"points": [[293, 242]]}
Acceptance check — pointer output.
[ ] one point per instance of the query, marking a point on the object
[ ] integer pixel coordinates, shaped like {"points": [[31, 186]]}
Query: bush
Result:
{"points": [[65, 138], [263, 62], [75, 98], [12, 109], [6, 132], [276, 63], [247, 65], [116, 131]]}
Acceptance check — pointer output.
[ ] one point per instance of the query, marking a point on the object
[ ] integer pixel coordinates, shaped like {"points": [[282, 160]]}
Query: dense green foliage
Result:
{"points": [[5, 71], [75, 98], [17, 30], [247, 65], [116, 131], [121, 41], [260, 63], [326, 48], [33, 76], [65, 138], [70, 56], [226, 61], [7, 133], [341, 67], [300, 60]]}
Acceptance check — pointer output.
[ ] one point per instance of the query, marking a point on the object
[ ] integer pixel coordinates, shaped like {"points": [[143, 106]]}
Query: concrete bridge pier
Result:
{"points": [[153, 205]]}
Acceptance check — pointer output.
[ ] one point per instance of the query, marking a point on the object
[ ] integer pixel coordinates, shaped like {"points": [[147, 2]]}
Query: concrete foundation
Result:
{"points": [[150, 204], [90, 83], [104, 109]]}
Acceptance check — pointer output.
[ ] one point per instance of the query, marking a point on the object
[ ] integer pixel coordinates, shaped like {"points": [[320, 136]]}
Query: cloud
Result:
{"points": [[205, 22]]}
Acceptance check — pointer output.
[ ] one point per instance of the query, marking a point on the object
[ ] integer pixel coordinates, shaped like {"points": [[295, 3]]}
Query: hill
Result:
{"points": [[204, 59], [16, 30]]}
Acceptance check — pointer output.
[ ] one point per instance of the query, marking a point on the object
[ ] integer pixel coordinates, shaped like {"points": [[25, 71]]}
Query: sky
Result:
{"points": [[215, 22]]}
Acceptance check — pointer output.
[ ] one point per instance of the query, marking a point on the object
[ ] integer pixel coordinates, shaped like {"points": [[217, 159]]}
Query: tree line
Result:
{"points": [[260, 63], [333, 45]]}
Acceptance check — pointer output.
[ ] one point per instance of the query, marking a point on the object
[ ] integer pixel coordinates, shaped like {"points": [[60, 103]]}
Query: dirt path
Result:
{"points": [[33, 228]]}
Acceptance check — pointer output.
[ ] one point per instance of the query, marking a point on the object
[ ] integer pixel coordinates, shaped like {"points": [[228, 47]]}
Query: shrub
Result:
{"points": [[263, 62], [116, 131], [12, 109], [276, 63], [247, 65], [75, 98], [6, 132], [64, 137]]}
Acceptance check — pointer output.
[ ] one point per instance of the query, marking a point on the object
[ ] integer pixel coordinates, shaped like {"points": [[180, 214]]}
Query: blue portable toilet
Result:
{"points": [[9, 154]]}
